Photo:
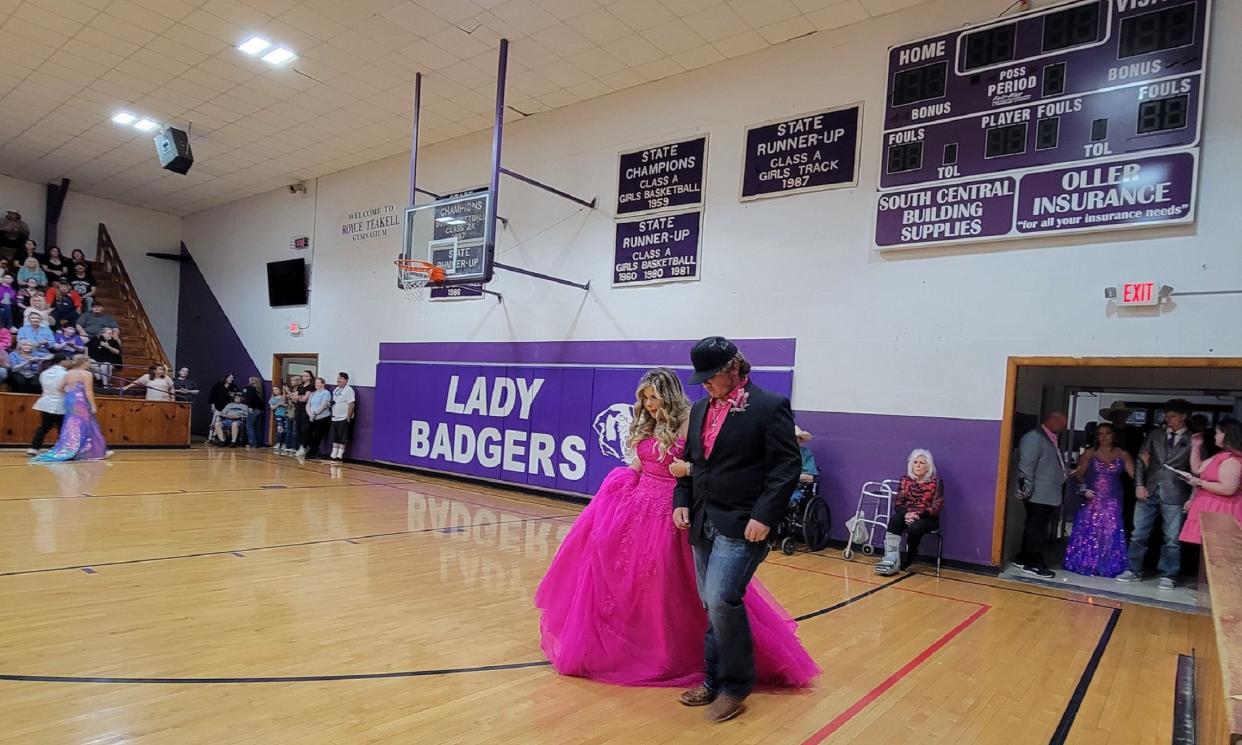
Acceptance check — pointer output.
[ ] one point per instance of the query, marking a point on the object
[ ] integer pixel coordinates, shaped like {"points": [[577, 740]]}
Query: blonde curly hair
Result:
{"points": [[666, 426]]}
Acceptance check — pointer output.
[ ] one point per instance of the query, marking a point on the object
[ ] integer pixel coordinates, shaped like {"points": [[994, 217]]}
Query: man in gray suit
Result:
{"points": [[1041, 477], [1161, 494]]}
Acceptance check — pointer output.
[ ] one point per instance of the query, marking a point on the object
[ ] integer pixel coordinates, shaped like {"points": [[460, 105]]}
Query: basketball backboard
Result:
{"points": [[452, 233]]}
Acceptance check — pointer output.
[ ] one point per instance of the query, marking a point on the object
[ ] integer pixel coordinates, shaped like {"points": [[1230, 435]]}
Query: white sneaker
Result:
{"points": [[31, 451], [301, 453], [1166, 584], [1128, 576], [276, 448]]}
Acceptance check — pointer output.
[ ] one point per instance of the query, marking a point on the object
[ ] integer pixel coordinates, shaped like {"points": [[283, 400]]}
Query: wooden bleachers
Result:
{"points": [[127, 421], [1219, 669]]}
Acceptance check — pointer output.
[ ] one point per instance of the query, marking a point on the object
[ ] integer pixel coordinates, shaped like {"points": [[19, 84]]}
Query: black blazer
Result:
{"points": [[753, 470]]}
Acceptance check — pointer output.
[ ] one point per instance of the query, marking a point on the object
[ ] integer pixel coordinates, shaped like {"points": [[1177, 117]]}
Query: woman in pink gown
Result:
{"points": [[1218, 487], [619, 602]]}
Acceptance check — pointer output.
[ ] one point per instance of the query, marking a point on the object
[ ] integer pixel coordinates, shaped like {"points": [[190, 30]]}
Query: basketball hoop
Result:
{"points": [[413, 276]]}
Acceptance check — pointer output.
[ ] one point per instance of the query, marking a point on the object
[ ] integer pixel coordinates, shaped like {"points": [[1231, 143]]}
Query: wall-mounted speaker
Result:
{"points": [[172, 145]]}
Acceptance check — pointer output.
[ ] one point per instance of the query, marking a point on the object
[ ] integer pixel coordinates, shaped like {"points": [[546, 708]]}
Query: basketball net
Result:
{"points": [[413, 276]]}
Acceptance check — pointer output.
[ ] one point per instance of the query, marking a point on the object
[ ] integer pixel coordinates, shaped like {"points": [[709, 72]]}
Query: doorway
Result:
{"points": [[1094, 390], [284, 368]]}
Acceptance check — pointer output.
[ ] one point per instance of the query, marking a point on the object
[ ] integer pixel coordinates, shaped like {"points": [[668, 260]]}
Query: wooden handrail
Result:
{"points": [[107, 255]]}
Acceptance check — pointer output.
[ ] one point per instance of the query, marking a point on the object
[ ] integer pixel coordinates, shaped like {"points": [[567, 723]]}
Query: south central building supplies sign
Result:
{"points": [[805, 153], [1132, 192]]}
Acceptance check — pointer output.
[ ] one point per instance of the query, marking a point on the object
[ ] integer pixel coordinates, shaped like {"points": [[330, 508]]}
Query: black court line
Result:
{"points": [[274, 679], [363, 676], [182, 492], [234, 551], [854, 599], [1084, 682]]}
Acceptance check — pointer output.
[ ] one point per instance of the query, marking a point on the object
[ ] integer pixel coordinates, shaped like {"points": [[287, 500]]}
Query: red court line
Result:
{"points": [[892, 680]]}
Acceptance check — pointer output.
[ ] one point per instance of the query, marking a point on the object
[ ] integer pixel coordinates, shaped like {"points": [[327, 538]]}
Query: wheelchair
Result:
{"points": [[806, 521]]}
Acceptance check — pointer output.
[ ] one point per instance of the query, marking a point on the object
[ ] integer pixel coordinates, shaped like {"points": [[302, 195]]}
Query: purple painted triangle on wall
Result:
{"points": [[207, 343]]}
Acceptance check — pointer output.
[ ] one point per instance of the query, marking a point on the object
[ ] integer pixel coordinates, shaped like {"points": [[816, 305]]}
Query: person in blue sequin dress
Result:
{"points": [[80, 435], [1097, 546]]}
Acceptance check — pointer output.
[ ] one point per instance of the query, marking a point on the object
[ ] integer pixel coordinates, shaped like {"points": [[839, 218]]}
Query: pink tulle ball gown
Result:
{"points": [[619, 602]]}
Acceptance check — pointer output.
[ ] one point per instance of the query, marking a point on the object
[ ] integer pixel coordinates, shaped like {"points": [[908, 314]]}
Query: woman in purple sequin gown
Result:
{"points": [[1097, 546], [80, 436]]}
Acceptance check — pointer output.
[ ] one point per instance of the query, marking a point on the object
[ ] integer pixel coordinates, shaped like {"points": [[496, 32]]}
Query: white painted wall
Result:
{"points": [[134, 230], [921, 333]]}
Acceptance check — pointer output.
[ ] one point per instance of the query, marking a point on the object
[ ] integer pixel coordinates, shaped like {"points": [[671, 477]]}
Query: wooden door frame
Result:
{"points": [[278, 359], [1011, 392]]}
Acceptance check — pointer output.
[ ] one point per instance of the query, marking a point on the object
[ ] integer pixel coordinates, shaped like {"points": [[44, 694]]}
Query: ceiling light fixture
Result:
{"points": [[145, 125], [278, 56], [124, 117], [254, 45]]}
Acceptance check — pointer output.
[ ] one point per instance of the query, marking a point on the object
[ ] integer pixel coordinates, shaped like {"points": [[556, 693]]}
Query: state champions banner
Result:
{"points": [[547, 415]]}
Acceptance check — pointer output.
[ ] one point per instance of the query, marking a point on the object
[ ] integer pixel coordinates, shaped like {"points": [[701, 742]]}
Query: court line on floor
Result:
{"points": [[273, 679], [870, 696], [1005, 587], [178, 492], [361, 676], [226, 552], [865, 582], [1062, 731]]}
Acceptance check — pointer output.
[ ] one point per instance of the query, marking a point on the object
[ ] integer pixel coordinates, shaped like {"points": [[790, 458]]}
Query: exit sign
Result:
{"points": [[1138, 293]]}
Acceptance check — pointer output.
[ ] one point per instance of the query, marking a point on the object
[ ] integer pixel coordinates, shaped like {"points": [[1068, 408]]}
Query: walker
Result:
{"points": [[876, 499]]}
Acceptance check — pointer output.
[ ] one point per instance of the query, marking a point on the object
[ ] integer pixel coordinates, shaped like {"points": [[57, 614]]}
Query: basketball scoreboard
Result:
{"points": [[1081, 116]]}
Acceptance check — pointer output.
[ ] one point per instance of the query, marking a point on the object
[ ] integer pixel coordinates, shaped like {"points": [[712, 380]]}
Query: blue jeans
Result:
{"points": [[254, 437], [724, 567], [1171, 516]]}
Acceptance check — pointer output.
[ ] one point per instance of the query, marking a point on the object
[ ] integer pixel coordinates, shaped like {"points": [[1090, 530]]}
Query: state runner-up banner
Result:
{"points": [[550, 415]]}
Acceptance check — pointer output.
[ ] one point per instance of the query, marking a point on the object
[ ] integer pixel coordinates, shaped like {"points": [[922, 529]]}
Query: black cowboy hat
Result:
{"points": [[709, 356]]}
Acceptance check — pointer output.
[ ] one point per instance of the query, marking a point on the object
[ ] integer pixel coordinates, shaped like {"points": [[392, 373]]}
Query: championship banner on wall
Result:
{"points": [[661, 248], [551, 415], [808, 152], [668, 176]]}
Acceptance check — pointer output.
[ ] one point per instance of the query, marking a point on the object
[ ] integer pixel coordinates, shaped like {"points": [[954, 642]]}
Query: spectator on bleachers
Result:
{"points": [[24, 365], [31, 270], [105, 351], [83, 284], [93, 322], [64, 303], [13, 233], [184, 387], [29, 250], [39, 307], [8, 301], [68, 340], [27, 292], [77, 258], [6, 343], [55, 266], [37, 334], [234, 414], [158, 385]]}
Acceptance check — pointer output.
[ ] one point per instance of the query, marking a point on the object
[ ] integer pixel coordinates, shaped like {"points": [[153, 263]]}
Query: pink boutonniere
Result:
{"points": [[739, 401]]}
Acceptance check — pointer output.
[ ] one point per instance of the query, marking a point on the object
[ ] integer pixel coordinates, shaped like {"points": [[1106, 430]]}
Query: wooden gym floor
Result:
{"points": [[230, 596]]}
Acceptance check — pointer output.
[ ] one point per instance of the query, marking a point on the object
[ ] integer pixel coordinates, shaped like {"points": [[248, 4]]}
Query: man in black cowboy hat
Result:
{"points": [[744, 465]]}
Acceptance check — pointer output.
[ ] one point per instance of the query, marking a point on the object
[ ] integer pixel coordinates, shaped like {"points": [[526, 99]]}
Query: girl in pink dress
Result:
{"points": [[1218, 487], [619, 602]]}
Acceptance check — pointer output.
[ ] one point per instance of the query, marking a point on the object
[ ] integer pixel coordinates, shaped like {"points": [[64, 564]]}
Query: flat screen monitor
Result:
{"points": [[286, 282]]}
